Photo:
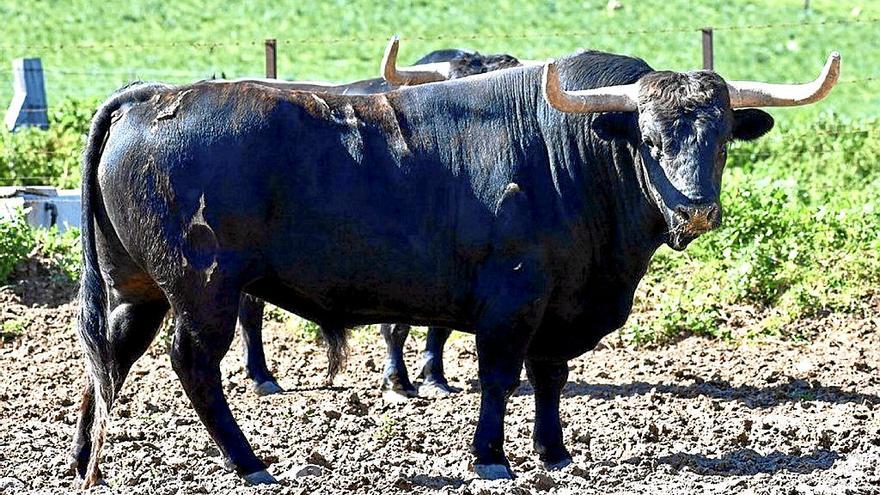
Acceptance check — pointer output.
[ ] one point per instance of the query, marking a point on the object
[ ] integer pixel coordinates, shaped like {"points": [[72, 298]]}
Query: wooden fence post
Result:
{"points": [[28, 106], [271, 59], [708, 55]]}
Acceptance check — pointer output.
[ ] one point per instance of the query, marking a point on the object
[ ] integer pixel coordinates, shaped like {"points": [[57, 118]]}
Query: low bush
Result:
{"points": [[16, 242], [32, 156], [62, 249]]}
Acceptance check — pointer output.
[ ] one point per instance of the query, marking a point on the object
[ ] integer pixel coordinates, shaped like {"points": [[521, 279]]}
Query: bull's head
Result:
{"points": [[680, 127]]}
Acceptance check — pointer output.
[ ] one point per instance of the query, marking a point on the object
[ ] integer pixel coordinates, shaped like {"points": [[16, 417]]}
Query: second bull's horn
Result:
{"points": [[607, 99], [417, 74], [760, 94]]}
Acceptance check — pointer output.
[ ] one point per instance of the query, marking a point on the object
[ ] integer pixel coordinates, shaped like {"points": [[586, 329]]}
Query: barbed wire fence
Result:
{"points": [[271, 47], [476, 36], [213, 44]]}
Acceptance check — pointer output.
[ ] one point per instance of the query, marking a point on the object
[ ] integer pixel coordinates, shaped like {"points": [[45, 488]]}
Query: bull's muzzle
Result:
{"points": [[699, 218]]}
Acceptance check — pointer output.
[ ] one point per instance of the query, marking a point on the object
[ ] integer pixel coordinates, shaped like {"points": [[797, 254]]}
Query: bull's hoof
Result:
{"points": [[556, 466], [260, 478], [268, 387], [437, 389], [91, 483], [397, 396], [72, 466], [493, 472]]}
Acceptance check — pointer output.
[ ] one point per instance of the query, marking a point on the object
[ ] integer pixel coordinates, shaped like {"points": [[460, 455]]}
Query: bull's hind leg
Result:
{"points": [[395, 379], [250, 322], [133, 327], [205, 327], [434, 378]]}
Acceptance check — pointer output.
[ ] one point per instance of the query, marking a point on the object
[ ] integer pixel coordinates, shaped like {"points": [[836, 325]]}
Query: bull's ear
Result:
{"points": [[615, 125], [751, 123]]}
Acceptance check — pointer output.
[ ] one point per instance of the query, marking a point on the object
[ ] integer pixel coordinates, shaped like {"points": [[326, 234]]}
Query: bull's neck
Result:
{"points": [[602, 185], [592, 188]]}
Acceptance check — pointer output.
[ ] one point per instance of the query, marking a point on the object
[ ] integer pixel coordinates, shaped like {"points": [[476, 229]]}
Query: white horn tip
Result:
{"points": [[833, 59], [833, 63]]}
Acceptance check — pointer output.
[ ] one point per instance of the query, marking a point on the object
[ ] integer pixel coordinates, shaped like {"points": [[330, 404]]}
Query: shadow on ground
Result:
{"points": [[435, 482], [794, 390], [747, 462], [744, 462]]}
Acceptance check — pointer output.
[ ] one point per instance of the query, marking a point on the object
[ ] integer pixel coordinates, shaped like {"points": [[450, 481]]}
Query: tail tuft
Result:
{"points": [[336, 340]]}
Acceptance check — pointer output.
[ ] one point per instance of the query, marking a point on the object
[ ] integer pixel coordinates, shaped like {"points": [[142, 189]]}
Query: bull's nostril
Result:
{"points": [[684, 212], [713, 214]]}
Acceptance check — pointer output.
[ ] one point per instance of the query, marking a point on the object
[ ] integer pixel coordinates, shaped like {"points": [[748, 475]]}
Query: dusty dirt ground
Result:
{"points": [[698, 416]]}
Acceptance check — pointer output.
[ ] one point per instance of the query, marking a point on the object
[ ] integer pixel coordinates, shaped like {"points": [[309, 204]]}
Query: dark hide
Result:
{"points": [[512, 220], [395, 375]]}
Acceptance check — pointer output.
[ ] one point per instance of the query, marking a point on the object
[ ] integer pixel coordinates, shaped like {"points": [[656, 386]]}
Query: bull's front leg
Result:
{"points": [[503, 334], [500, 369], [548, 379]]}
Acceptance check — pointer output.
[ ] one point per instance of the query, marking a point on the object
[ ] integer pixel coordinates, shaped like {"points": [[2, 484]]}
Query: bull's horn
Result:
{"points": [[758, 94], [621, 98], [417, 74]]}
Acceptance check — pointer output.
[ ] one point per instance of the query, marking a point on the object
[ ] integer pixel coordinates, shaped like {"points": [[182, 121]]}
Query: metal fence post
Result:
{"points": [[708, 55], [271, 59], [28, 106]]}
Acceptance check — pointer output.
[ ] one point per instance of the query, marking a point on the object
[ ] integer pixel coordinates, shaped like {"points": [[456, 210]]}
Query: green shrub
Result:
{"points": [[35, 157], [63, 250], [306, 329], [11, 329], [16, 242]]}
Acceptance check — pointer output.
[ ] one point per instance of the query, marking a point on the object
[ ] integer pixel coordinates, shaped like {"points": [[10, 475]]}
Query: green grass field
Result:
{"points": [[89, 49], [802, 209]]}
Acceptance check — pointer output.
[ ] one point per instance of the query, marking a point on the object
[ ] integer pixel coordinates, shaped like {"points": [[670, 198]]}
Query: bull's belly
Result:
{"points": [[564, 337], [328, 279]]}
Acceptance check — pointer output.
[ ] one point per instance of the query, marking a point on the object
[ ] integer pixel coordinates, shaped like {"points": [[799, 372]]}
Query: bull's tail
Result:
{"points": [[336, 340], [100, 361]]}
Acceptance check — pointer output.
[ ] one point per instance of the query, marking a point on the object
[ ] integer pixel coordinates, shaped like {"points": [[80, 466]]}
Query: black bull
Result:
{"points": [[469, 204], [395, 379]]}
